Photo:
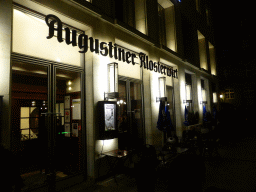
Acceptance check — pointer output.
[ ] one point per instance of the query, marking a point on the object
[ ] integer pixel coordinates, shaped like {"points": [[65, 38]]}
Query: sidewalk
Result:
{"points": [[235, 169], [232, 169]]}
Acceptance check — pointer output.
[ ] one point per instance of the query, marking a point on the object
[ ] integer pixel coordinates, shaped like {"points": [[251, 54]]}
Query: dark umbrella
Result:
{"points": [[186, 117], [161, 117], [204, 114], [169, 126]]}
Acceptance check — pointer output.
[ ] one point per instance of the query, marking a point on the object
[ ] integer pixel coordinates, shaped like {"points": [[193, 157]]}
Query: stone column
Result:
{"points": [[5, 69]]}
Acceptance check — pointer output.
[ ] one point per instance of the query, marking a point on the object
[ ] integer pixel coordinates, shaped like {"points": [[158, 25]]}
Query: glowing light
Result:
{"points": [[188, 92], [33, 103], [203, 95], [106, 145], [221, 96], [214, 95], [63, 132], [162, 86], [113, 77]]}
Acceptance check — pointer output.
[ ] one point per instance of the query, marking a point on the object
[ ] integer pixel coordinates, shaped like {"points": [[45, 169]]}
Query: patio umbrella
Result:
{"points": [[186, 117], [161, 117], [204, 114], [169, 126]]}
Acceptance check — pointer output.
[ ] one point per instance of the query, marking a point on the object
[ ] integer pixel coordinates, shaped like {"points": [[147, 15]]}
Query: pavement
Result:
{"points": [[231, 168]]}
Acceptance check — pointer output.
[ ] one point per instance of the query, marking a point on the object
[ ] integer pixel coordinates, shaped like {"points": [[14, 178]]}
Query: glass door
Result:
{"points": [[46, 122], [29, 130], [171, 108], [68, 123], [130, 124]]}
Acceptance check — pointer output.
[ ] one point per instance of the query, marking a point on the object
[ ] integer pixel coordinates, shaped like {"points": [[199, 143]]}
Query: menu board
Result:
{"points": [[109, 110]]}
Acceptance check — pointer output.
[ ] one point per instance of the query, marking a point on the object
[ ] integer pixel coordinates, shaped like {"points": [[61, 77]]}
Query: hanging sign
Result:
{"points": [[105, 49]]}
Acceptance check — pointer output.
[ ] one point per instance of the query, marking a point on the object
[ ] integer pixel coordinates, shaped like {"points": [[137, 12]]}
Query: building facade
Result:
{"points": [[65, 63]]}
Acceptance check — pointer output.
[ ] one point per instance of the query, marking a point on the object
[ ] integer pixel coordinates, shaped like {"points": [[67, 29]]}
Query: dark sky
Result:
{"points": [[226, 24], [230, 35]]}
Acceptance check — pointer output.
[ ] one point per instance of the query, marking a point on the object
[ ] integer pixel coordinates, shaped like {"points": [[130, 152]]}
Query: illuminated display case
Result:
{"points": [[107, 119]]}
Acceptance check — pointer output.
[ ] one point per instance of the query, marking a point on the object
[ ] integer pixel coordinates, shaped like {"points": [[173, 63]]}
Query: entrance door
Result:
{"points": [[46, 121], [130, 122], [171, 108]]}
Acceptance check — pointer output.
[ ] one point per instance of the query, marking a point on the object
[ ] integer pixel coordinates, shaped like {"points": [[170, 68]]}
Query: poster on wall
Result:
{"points": [[74, 129], [109, 117], [76, 109], [67, 102], [67, 116], [67, 130]]}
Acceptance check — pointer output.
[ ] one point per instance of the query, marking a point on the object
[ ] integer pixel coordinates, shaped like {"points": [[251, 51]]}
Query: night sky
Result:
{"points": [[233, 28]]}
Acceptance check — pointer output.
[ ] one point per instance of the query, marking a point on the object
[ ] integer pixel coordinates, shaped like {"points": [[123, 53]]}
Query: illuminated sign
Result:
{"points": [[105, 49]]}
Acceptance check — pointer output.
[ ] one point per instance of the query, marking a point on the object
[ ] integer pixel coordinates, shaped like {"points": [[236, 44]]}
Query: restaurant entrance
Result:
{"points": [[130, 124], [46, 121]]}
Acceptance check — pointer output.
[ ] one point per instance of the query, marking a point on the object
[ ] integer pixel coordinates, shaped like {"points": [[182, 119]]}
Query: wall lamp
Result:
{"points": [[112, 82], [187, 102], [214, 97], [161, 89], [203, 102], [188, 94], [203, 97]]}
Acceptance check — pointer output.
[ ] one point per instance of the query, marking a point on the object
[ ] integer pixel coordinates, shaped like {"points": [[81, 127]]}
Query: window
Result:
{"points": [[29, 119], [125, 11], [167, 27], [198, 5], [161, 17], [202, 51], [207, 16], [229, 94], [140, 16], [212, 59], [203, 90], [188, 81]]}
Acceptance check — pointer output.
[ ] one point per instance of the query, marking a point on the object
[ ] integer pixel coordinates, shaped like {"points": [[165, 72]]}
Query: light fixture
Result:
{"points": [[203, 97], [188, 95], [221, 96], [69, 84], [112, 82], [33, 103], [214, 97], [161, 89]]}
